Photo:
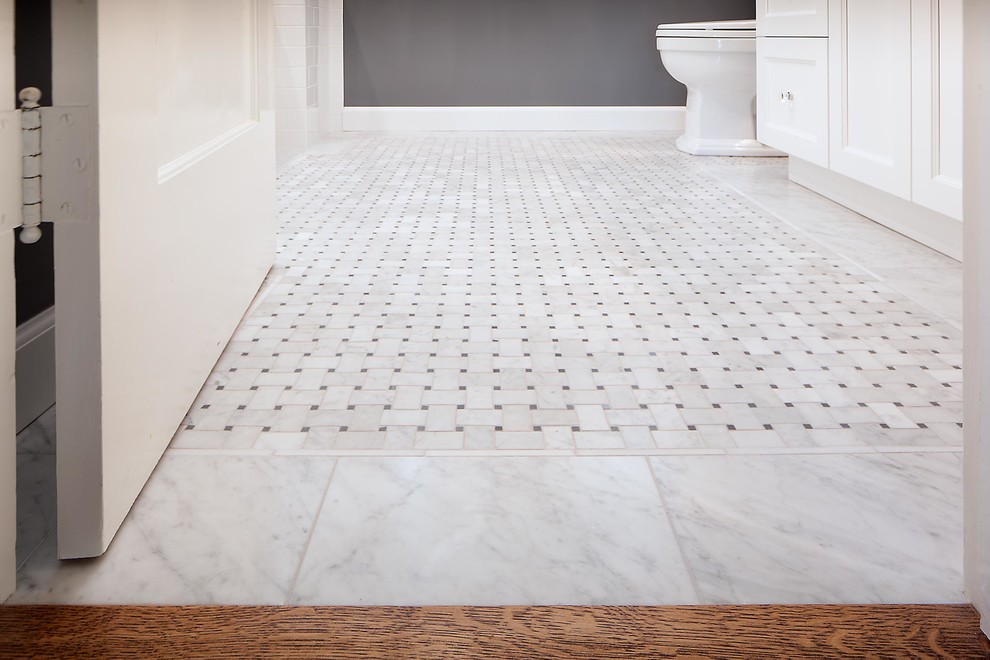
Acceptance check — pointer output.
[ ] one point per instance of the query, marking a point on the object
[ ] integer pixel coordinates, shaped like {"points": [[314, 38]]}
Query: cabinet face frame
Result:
{"points": [[870, 104], [792, 18], [937, 92]]}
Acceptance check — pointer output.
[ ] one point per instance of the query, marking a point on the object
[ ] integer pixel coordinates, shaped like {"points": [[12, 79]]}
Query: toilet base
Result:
{"points": [[726, 147]]}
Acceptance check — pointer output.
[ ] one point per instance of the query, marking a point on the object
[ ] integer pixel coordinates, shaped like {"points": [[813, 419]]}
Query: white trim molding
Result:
{"points": [[517, 118], [35, 367]]}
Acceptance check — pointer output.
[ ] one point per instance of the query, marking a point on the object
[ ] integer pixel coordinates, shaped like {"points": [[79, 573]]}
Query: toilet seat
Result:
{"points": [[710, 30]]}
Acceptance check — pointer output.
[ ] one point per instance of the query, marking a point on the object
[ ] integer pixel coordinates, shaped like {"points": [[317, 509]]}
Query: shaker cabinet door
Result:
{"points": [[870, 92], [937, 91], [792, 18], [792, 105]]}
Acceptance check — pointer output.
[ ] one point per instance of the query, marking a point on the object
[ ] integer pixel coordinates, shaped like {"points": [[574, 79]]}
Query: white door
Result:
{"points": [[10, 201], [976, 336], [870, 92], [153, 278]]}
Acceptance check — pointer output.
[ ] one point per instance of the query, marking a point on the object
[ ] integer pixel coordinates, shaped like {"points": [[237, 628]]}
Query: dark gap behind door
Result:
{"points": [[34, 265]]}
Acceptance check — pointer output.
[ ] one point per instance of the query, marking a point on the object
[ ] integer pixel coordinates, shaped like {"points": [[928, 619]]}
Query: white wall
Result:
{"points": [[308, 72], [331, 58], [976, 263]]}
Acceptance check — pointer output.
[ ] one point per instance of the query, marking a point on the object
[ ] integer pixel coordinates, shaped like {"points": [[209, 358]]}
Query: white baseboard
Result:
{"points": [[937, 231], [35, 367], [549, 118]]}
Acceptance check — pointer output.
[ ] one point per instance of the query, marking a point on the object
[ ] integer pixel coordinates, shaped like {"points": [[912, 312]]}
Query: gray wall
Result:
{"points": [[515, 52]]}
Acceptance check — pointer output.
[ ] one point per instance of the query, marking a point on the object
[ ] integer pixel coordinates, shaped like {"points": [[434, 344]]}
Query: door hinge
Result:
{"points": [[58, 178], [30, 164]]}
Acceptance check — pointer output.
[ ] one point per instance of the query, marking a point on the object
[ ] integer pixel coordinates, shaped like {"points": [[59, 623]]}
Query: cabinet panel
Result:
{"points": [[870, 92], [792, 106], [792, 18], [937, 104]]}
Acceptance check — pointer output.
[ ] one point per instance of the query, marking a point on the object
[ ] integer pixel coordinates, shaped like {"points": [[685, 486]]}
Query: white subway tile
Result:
{"points": [[289, 35], [290, 56], [290, 139], [290, 118], [291, 97], [290, 77], [290, 15]]}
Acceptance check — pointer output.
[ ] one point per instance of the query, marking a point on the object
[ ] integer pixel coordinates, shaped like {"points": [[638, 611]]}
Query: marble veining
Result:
{"points": [[559, 369], [38, 437], [928, 278], [205, 530], [495, 531], [36, 516], [832, 528], [481, 292]]}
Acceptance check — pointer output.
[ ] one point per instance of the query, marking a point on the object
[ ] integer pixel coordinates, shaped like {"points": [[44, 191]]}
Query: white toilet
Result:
{"points": [[717, 63]]}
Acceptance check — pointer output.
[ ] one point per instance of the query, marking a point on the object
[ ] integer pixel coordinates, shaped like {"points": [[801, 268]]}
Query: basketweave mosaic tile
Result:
{"points": [[563, 293]]}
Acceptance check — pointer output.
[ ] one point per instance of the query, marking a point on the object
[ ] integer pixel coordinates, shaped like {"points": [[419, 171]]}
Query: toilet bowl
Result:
{"points": [[717, 63]]}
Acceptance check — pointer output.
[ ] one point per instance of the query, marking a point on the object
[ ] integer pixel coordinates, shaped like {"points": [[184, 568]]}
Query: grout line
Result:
{"points": [[673, 530], [920, 450], [286, 270], [309, 537], [217, 451], [564, 453], [674, 451], [793, 451]]}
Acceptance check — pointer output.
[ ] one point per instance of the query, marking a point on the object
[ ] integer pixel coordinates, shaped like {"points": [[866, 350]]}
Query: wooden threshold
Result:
{"points": [[574, 633]]}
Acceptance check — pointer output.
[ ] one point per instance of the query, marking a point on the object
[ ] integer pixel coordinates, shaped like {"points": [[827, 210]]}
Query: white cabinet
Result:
{"points": [[937, 91], [870, 107], [792, 77], [792, 102], [792, 18], [870, 99]]}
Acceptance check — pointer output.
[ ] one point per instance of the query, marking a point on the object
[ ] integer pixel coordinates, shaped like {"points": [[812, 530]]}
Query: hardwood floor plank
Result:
{"points": [[512, 632]]}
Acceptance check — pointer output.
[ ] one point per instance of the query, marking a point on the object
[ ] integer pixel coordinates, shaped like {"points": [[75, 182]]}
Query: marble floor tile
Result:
{"points": [[491, 332], [36, 506], [824, 528], [602, 282], [931, 279], [493, 531], [937, 289], [39, 436], [205, 530]]}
